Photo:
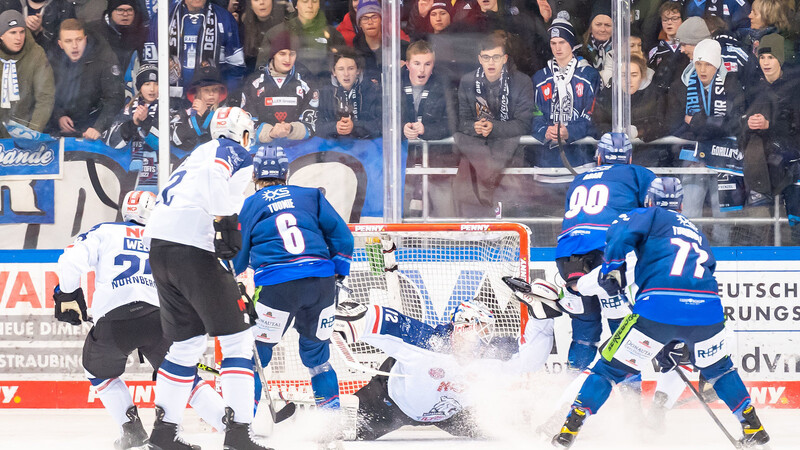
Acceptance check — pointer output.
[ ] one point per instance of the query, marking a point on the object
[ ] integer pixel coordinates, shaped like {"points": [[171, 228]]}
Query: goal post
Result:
{"points": [[424, 271]]}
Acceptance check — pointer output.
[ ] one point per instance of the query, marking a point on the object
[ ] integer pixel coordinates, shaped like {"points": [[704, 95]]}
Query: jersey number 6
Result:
{"points": [[292, 237]]}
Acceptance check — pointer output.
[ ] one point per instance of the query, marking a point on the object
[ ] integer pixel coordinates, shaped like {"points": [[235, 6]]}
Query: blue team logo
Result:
{"points": [[465, 287]]}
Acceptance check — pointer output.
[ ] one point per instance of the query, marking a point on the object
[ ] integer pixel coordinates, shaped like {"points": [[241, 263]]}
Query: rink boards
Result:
{"points": [[40, 357]]}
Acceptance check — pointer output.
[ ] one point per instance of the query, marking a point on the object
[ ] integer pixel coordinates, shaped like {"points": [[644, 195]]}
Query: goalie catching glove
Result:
{"points": [[541, 297], [227, 237], [350, 318], [70, 307]]}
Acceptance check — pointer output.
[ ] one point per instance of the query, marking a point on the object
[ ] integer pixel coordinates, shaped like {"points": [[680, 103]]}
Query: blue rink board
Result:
{"points": [[537, 254]]}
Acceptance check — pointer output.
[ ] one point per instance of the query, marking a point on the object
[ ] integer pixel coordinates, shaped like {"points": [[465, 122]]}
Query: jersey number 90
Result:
{"points": [[591, 201], [292, 237]]}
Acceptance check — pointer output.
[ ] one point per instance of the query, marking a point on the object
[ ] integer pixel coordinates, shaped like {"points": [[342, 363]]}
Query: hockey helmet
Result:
{"points": [[474, 316], [665, 192], [137, 205], [232, 122], [614, 148], [270, 162]]}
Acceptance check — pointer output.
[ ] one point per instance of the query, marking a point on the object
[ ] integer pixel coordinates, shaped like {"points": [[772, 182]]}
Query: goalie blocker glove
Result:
{"points": [[540, 296], [349, 320], [70, 307], [227, 237]]}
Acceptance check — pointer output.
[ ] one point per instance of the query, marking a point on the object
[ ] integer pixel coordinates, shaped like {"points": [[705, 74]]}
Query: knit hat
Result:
{"points": [[708, 50], [206, 75], [367, 7], [11, 19], [114, 4], [281, 39], [692, 31], [147, 72], [600, 8], [438, 4], [561, 28], [774, 45]]}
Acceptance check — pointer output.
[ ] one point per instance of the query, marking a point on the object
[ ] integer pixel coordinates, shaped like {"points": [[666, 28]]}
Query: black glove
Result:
{"points": [[612, 282], [70, 307], [228, 238], [674, 354], [250, 305]]}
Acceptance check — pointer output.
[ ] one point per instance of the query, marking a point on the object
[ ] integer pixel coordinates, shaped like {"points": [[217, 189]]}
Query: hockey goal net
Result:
{"points": [[437, 267]]}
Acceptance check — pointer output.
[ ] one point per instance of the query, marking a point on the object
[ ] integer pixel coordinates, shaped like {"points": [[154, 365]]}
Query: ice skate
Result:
{"points": [[133, 434], [569, 431], [165, 435], [238, 435], [657, 413], [754, 434]]}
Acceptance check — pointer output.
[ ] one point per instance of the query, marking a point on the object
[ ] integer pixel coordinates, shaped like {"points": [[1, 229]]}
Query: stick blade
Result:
{"points": [[286, 412]]}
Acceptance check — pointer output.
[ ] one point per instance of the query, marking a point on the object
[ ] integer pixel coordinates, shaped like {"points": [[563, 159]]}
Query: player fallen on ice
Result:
{"points": [[127, 310], [193, 233], [297, 245], [677, 300], [440, 368]]}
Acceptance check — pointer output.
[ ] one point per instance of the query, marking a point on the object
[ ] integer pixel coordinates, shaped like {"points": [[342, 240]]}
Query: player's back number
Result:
{"points": [[589, 200], [292, 237]]}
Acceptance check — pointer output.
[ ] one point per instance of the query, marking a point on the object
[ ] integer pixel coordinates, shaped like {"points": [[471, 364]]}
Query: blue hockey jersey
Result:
{"points": [[594, 200], [675, 267], [292, 232]]}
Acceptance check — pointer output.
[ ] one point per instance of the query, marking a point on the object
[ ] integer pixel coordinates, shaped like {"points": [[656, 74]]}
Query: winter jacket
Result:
{"points": [[272, 98], [436, 107], [317, 38], [36, 87], [253, 32], [348, 28], [777, 102], [520, 109], [362, 103], [123, 40], [372, 58], [584, 86], [734, 12], [529, 43], [89, 91], [53, 13], [647, 111], [644, 13], [750, 38], [668, 64]]}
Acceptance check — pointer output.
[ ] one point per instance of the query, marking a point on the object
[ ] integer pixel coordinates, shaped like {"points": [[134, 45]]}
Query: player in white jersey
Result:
{"points": [[193, 234], [125, 308], [438, 368]]}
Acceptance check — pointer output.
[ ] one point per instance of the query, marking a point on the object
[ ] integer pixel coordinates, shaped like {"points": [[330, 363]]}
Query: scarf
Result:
{"points": [[206, 40], [10, 84], [713, 102], [408, 90], [482, 108], [347, 102], [599, 48], [563, 99]]}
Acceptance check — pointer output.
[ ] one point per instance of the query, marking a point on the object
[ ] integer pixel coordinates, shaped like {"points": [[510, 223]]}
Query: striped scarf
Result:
{"points": [[10, 84]]}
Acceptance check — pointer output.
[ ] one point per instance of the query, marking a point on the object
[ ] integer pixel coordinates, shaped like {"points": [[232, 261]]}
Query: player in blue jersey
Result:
{"points": [[297, 244], [677, 301], [594, 199]]}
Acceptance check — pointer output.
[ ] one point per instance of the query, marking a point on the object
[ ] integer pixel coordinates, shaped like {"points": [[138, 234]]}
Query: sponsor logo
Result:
{"points": [[547, 92], [443, 409], [475, 227], [280, 101], [42, 156], [447, 386], [367, 228], [579, 89], [8, 394], [437, 373]]}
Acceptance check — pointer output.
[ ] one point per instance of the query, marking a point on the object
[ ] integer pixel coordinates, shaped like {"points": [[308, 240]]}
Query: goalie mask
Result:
{"points": [[232, 123], [137, 205], [474, 317]]}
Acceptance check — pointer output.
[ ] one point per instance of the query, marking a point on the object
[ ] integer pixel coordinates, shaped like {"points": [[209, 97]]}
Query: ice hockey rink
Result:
{"points": [[613, 429]]}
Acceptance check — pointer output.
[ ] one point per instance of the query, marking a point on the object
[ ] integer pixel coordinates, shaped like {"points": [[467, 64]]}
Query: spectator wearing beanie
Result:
{"points": [[350, 107], [123, 27], [280, 97], [772, 131], [205, 94], [259, 17], [768, 17], [28, 90], [596, 48], [454, 47], [44, 17], [564, 92], [137, 126], [708, 109], [368, 41]]}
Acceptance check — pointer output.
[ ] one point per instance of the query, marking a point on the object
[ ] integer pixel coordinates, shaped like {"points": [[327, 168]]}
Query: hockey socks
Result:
{"points": [[207, 403], [593, 394], [325, 385], [115, 397], [173, 386]]}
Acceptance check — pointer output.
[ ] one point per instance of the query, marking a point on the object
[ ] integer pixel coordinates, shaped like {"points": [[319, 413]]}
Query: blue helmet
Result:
{"points": [[666, 192], [614, 148], [270, 162]]}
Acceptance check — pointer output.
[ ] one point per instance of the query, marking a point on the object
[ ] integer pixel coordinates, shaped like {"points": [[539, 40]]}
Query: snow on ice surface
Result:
{"points": [[685, 429]]}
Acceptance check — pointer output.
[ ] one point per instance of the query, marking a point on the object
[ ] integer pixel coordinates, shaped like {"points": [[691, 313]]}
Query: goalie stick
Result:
{"points": [[733, 440]]}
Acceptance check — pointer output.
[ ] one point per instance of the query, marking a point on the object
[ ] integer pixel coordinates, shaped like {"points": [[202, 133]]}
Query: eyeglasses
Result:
{"points": [[125, 11], [371, 18], [672, 19], [493, 58]]}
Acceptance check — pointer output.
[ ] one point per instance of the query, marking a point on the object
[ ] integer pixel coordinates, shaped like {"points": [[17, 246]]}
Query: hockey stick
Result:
{"points": [[735, 442]]}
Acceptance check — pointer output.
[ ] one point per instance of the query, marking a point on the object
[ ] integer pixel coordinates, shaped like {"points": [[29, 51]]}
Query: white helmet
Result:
{"points": [[474, 316], [137, 205], [231, 122]]}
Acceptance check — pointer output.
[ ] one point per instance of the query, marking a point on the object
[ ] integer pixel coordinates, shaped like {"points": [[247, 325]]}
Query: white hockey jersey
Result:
{"points": [[210, 182], [436, 384], [119, 258]]}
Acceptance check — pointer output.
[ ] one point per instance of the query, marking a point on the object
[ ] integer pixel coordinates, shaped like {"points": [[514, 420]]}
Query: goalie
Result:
{"points": [[437, 368]]}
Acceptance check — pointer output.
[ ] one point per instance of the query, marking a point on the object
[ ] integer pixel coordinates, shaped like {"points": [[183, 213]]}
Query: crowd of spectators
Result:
{"points": [[487, 72]]}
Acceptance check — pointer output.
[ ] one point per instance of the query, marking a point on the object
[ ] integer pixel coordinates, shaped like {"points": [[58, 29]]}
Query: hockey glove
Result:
{"points": [[540, 297], [612, 282], [674, 354], [227, 237], [350, 319], [250, 305], [70, 307]]}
